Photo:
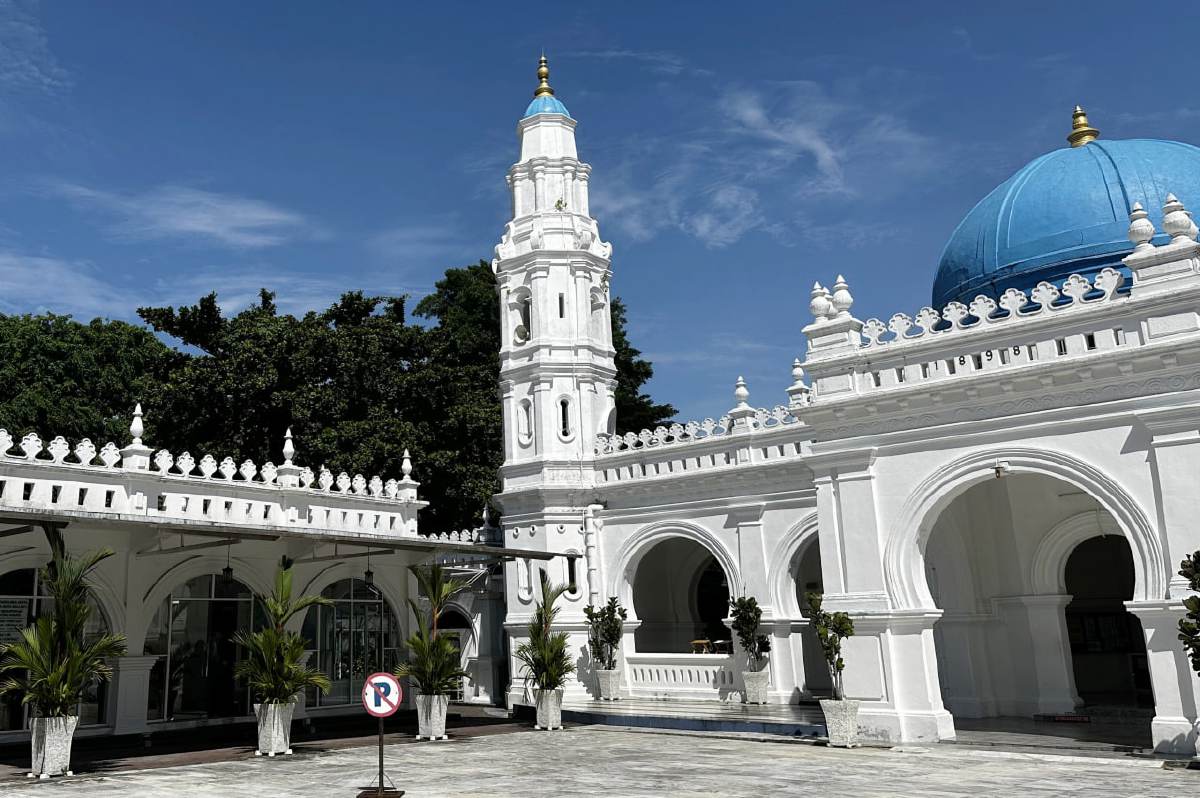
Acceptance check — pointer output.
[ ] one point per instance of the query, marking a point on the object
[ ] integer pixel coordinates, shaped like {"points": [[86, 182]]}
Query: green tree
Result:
{"points": [[61, 377], [357, 383]]}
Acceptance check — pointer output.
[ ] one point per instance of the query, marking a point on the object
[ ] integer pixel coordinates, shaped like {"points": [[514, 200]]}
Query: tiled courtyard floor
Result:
{"points": [[604, 761]]}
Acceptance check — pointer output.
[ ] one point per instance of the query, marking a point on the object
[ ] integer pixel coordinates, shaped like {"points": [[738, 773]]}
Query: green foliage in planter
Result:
{"points": [[274, 666], [831, 628], [1189, 625], [52, 664], [605, 626], [434, 664], [544, 654], [747, 616]]}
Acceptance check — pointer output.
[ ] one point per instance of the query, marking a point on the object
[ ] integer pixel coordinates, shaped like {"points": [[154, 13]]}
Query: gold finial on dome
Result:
{"points": [[543, 73], [1081, 131]]}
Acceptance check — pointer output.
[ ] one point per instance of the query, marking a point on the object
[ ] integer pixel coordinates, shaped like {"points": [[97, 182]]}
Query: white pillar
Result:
{"points": [[131, 693], [1037, 626], [782, 662], [1175, 463], [1175, 686]]}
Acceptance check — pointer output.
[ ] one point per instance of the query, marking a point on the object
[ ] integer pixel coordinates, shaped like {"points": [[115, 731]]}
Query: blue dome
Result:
{"points": [[546, 104], [1063, 213]]}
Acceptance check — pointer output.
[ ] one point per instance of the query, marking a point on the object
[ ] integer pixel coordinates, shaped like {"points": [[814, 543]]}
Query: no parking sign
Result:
{"points": [[381, 694]]}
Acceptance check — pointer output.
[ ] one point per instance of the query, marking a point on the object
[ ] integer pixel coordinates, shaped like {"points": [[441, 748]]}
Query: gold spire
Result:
{"points": [[1081, 131], [543, 73]]}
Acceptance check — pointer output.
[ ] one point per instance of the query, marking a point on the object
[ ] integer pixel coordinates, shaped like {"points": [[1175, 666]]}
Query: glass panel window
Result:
{"points": [[349, 641], [192, 634]]}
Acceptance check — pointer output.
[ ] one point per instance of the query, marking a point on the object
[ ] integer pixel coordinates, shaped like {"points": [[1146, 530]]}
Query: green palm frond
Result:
{"points": [[273, 666], [434, 664], [52, 664], [545, 654]]}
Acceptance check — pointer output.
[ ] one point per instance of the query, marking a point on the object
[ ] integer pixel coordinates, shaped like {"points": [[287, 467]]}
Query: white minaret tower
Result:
{"points": [[557, 374], [556, 355]]}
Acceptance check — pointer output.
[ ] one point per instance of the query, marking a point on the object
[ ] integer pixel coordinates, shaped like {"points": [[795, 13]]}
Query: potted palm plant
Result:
{"points": [[841, 714], [605, 626], [545, 658], [52, 663], [434, 666], [747, 616], [274, 664]]}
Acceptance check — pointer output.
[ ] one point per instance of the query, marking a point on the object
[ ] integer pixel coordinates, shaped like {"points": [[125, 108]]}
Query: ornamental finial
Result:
{"points": [[543, 73], [1081, 132]]}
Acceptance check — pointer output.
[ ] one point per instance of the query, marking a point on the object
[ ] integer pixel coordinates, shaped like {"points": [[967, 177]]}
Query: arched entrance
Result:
{"points": [[805, 570], [1108, 647], [192, 634], [1028, 569], [681, 596]]}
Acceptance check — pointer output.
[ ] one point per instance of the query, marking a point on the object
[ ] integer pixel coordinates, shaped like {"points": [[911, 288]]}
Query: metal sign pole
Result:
{"points": [[380, 794], [381, 698]]}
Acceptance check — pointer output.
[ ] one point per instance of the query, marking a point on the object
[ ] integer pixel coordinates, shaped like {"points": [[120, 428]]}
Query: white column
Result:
{"points": [[1037, 627], [891, 667], [1175, 465], [131, 693], [782, 662], [1175, 686]]}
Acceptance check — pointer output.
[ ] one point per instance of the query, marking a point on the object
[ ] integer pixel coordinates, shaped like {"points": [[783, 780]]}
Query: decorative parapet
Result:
{"points": [[138, 480], [692, 431], [1050, 324], [1014, 305]]}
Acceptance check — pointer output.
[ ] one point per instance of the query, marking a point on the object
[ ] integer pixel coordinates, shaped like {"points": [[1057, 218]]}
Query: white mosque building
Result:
{"points": [[998, 488]]}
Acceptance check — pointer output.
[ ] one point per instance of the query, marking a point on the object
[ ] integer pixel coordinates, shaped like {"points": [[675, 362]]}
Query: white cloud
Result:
{"points": [[33, 284], [769, 162], [173, 211], [420, 243], [26, 62]]}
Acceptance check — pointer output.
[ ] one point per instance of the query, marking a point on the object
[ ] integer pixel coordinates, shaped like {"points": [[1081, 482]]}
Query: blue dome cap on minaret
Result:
{"points": [[1064, 213], [544, 101]]}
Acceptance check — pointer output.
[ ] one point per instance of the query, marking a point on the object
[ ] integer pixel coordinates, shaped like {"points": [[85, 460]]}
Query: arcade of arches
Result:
{"points": [[1008, 645]]}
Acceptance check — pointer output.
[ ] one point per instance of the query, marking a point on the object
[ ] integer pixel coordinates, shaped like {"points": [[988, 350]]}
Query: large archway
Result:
{"points": [[681, 597], [1003, 560]]}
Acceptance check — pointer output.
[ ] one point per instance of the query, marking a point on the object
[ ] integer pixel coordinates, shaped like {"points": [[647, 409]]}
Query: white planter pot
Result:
{"points": [[549, 709], [274, 728], [757, 683], [431, 716], [609, 683], [841, 722], [51, 739]]}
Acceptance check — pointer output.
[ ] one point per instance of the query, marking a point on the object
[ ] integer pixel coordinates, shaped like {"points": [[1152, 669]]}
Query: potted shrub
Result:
{"points": [[545, 658], [747, 616], [605, 626], [841, 714], [274, 664], [52, 663], [434, 666]]}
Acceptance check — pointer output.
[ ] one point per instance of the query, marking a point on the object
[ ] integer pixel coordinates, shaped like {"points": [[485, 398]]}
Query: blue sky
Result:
{"points": [[152, 152]]}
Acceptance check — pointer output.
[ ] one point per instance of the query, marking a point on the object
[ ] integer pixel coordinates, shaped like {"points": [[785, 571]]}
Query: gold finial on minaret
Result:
{"points": [[1081, 131], [543, 89]]}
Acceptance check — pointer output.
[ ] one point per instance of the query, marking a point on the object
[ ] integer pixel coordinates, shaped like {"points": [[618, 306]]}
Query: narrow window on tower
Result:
{"points": [[564, 417], [572, 587], [562, 306], [527, 317]]}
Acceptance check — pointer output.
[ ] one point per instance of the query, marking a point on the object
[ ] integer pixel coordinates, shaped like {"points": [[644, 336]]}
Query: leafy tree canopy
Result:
{"points": [[357, 383]]}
